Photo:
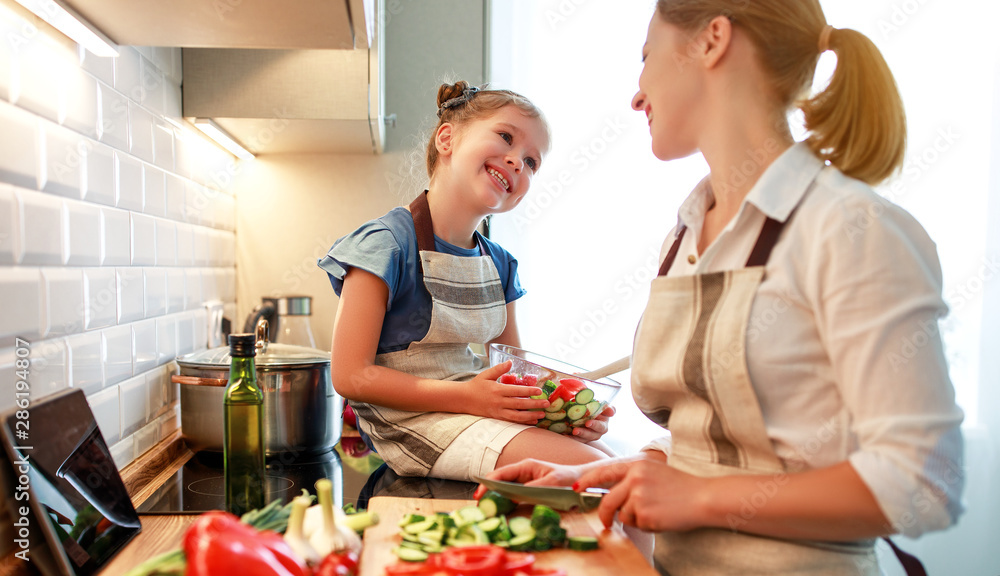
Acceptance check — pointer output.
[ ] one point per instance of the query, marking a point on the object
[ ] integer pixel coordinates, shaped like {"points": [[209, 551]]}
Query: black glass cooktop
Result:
{"points": [[198, 486]]}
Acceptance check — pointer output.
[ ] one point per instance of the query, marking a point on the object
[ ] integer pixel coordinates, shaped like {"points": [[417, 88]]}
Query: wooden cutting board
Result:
{"points": [[616, 555]]}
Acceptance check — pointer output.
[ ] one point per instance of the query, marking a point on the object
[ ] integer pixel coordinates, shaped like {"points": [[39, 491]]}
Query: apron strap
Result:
{"points": [[758, 257], [421, 212], [911, 564]]}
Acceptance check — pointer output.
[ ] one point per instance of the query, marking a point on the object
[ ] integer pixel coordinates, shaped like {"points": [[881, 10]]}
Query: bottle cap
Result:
{"points": [[242, 345]]}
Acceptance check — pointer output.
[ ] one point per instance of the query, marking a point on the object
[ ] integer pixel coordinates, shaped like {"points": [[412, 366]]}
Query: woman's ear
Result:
{"points": [[444, 139], [714, 40]]}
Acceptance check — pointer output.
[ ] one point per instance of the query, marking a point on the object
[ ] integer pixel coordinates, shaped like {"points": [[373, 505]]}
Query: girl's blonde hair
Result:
{"points": [[473, 104], [857, 123]]}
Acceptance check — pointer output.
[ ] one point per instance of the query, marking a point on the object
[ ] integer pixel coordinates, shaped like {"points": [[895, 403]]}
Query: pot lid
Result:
{"points": [[274, 355]]}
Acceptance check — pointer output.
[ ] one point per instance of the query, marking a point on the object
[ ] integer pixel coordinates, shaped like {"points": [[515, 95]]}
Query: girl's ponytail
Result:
{"points": [[857, 123]]}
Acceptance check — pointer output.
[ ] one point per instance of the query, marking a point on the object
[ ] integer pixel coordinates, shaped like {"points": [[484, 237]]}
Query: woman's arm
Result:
{"points": [[509, 335], [830, 503], [356, 377]]}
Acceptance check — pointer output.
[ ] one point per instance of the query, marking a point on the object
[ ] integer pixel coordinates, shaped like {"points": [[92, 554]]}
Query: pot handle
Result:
{"points": [[196, 381], [262, 335]]}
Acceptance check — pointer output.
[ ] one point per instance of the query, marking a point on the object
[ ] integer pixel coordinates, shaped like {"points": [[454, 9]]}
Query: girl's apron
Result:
{"points": [[684, 379], [468, 305]]}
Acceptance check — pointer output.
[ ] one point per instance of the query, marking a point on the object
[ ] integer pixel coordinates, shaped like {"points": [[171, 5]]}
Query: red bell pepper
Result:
{"points": [[338, 564], [218, 543]]}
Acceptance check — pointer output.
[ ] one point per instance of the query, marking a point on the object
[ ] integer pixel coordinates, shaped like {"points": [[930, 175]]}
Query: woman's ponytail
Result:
{"points": [[857, 123]]}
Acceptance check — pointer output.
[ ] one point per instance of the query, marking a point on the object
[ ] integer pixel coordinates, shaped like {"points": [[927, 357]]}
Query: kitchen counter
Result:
{"points": [[162, 532]]}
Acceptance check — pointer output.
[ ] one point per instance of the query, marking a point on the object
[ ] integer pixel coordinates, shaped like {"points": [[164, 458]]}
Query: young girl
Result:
{"points": [[418, 285], [771, 345]]}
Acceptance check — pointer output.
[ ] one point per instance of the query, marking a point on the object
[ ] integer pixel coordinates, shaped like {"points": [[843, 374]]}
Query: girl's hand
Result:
{"points": [[510, 402], [534, 473], [594, 429], [647, 494]]}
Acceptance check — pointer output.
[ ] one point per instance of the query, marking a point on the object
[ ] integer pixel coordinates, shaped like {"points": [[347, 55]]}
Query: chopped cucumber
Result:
{"points": [[413, 545], [594, 407], [488, 507], [549, 387], [544, 423], [471, 514], [491, 526], [576, 412], [584, 396], [410, 519], [556, 405], [558, 427], [419, 527], [411, 555], [543, 516], [521, 526], [431, 537], [582, 543], [556, 416], [523, 543], [503, 504]]}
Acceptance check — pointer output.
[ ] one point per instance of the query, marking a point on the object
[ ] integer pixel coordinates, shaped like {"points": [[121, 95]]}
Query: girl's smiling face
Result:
{"points": [[496, 156], [669, 89]]}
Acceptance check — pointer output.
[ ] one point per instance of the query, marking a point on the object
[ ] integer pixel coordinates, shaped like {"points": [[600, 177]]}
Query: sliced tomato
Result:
{"points": [[530, 380], [487, 560], [546, 572], [517, 561], [412, 569], [572, 384], [562, 392], [507, 378]]}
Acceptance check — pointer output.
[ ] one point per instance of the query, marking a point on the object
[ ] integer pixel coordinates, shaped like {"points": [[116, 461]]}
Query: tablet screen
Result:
{"points": [[60, 460]]}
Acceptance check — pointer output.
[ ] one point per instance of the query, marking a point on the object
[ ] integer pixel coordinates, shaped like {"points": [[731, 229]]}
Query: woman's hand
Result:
{"points": [[647, 494], [510, 402], [594, 429], [534, 473]]}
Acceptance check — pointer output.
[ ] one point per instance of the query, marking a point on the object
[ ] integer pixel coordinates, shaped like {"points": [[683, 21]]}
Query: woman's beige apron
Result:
{"points": [[685, 379], [468, 305]]}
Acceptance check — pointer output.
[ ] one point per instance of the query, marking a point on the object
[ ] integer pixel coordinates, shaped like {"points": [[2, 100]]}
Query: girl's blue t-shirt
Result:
{"points": [[387, 248]]}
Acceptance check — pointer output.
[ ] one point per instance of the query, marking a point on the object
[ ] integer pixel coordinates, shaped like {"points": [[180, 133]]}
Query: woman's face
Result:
{"points": [[669, 88], [498, 156]]}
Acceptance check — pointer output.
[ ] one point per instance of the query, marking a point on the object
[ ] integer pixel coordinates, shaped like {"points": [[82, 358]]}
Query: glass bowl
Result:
{"points": [[573, 400]]}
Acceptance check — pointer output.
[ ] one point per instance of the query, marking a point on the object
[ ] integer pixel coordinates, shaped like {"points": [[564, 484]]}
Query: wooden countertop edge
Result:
{"points": [[150, 470]]}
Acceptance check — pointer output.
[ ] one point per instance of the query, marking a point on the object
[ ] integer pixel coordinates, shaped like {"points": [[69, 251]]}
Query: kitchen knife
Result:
{"points": [[558, 497]]}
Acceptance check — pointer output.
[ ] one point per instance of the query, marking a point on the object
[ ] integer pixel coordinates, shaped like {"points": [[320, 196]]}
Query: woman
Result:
{"points": [[772, 345]]}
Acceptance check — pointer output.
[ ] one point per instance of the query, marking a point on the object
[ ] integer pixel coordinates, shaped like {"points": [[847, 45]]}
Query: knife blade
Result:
{"points": [[557, 497]]}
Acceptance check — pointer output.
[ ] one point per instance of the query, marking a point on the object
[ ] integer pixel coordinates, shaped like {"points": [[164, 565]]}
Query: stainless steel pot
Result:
{"points": [[302, 412]]}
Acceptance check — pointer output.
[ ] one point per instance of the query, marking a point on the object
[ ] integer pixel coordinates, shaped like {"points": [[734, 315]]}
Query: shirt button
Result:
{"points": [[692, 259]]}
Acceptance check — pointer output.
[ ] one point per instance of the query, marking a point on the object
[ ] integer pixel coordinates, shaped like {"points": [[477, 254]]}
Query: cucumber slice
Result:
{"points": [[544, 423], [559, 427], [594, 407], [556, 405], [521, 526], [503, 504], [431, 537], [523, 543], [488, 507], [576, 412], [582, 543], [491, 526], [413, 545], [419, 527], [584, 396], [411, 555], [549, 387], [556, 416], [411, 538], [410, 519], [542, 517], [471, 514]]}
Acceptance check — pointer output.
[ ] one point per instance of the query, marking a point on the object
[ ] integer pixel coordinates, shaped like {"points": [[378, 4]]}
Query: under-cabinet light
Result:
{"points": [[222, 138], [71, 24]]}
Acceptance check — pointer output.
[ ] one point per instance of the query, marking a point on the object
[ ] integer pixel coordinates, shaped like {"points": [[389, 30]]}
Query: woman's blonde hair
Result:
{"points": [[460, 103], [857, 123]]}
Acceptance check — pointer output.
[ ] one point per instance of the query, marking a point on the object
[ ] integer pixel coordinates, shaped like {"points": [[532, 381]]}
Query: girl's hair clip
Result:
{"points": [[467, 95]]}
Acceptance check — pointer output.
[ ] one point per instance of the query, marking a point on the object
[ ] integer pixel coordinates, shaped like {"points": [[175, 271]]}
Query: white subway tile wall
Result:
{"points": [[116, 226]]}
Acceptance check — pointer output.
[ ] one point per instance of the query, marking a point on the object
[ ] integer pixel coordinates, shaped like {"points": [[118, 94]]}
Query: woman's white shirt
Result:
{"points": [[843, 347]]}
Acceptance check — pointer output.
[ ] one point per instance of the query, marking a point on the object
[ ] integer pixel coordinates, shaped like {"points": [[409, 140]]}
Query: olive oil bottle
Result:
{"points": [[243, 445]]}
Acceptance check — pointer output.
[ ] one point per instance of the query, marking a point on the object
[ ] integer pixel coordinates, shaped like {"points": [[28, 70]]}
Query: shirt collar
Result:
{"points": [[776, 193]]}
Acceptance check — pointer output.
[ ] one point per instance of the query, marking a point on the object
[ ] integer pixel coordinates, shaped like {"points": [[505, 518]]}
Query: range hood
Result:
{"points": [[280, 77]]}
